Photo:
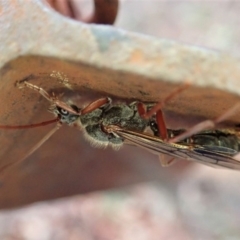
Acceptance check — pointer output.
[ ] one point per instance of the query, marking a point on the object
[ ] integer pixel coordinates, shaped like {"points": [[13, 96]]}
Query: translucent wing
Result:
{"points": [[212, 156]]}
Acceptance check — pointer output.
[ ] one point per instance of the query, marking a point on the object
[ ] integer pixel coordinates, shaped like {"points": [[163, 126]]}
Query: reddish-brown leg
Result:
{"points": [[158, 110], [161, 124], [161, 104], [162, 129], [205, 125], [95, 105]]}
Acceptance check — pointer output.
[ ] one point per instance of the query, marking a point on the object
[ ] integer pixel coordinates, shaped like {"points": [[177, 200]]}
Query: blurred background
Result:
{"points": [[203, 203]]}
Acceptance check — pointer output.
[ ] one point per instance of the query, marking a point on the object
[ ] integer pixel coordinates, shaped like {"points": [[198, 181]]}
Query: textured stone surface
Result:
{"points": [[105, 61]]}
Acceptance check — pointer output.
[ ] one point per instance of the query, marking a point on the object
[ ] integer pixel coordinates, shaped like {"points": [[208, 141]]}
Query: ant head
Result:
{"points": [[66, 113]]}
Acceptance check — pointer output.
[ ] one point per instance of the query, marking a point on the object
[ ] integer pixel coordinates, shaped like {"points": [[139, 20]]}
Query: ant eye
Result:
{"points": [[63, 111]]}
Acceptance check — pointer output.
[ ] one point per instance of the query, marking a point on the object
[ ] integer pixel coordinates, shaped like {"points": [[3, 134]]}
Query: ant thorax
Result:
{"points": [[122, 115]]}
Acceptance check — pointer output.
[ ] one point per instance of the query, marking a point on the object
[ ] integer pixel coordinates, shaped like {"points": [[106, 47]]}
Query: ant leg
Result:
{"points": [[205, 125], [161, 123], [162, 130], [102, 102], [33, 149], [158, 110], [161, 104]]}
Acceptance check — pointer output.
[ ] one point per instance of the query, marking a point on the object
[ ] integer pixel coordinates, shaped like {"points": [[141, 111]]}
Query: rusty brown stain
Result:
{"points": [[138, 57]]}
